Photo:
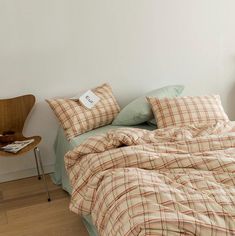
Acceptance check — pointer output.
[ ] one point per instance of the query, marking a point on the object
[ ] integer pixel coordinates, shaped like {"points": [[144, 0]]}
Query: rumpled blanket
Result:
{"points": [[172, 181]]}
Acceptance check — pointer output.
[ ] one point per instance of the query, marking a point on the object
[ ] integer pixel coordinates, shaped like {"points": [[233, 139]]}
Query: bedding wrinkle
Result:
{"points": [[171, 181]]}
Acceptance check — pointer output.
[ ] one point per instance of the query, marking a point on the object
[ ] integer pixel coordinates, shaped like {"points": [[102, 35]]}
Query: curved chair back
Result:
{"points": [[14, 111]]}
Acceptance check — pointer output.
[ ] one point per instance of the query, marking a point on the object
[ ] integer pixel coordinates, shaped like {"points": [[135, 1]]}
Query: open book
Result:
{"points": [[16, 146]]}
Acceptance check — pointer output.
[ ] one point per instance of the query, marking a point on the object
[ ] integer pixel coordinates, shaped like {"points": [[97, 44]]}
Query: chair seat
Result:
{"points": [[31, 146]]}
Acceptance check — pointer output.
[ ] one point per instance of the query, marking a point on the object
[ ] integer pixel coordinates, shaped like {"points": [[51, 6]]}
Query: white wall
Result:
{"points": [[64, 47]]}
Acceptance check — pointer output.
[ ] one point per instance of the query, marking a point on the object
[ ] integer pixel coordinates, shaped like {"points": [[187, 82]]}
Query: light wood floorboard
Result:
{"points": [[24, 210]]}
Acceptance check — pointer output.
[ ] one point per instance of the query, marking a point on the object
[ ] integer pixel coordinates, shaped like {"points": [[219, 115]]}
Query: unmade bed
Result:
{"points": [[178, 179]]}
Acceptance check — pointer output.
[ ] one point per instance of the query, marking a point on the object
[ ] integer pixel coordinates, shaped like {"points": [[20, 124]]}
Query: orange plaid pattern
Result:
{"points": [[183, 111], [77, 119], [172, 181]]}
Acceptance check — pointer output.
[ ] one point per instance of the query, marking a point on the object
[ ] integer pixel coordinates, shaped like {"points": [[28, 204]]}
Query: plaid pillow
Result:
{"points": [[182, 111], [77, 119]]}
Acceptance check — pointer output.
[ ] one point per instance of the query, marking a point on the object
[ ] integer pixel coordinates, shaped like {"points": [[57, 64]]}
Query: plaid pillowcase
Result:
{"points": [[182, 111], [77, 119]]}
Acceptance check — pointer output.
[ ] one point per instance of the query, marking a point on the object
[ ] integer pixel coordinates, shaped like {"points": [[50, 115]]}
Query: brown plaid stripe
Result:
{"points": [[182, 111], [172, 181], [77, 119]]}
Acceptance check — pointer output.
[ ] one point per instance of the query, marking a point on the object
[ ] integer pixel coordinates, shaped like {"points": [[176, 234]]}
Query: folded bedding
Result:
{"points": [[170, 181]]}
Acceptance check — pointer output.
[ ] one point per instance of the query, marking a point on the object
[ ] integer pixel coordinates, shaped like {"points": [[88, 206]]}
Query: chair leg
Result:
{"points": [[38, 155], [36, 160]]}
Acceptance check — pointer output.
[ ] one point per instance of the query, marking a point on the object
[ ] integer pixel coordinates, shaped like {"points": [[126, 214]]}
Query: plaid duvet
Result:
{"points": [[172, 181]]}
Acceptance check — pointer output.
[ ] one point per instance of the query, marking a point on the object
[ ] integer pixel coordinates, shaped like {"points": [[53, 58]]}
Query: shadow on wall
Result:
{"points": [[231, 102]]}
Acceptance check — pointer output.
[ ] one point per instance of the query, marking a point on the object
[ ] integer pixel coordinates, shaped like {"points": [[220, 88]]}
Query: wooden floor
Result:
{"points": [[25, 211]]}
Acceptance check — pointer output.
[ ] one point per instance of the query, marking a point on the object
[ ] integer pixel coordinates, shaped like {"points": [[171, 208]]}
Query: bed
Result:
{"points": [[62, 146], [178, 179]]}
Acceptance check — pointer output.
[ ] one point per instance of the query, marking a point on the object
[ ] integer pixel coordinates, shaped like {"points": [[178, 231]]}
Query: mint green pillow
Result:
{"points": [[139, 111]]}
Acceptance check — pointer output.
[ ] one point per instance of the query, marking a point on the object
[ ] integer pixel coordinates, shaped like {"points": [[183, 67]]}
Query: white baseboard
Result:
{"points": [[24, 174]]}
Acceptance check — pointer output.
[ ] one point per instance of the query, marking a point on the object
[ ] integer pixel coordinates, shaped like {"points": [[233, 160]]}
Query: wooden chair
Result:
{"points": [[13, 113]]}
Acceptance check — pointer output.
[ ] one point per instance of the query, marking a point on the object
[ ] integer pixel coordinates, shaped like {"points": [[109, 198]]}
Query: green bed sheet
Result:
{"points": [[62, 145]]}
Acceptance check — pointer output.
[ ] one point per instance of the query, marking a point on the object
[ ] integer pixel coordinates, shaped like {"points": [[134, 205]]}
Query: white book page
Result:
{"points": [[17, 146]]}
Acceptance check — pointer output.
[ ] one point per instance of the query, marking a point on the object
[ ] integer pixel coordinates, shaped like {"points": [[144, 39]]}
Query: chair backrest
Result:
{"points": [[14, 111]]}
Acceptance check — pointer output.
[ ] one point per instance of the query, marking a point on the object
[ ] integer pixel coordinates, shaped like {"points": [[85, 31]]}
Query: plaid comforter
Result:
{"points": [[172, 181]]}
